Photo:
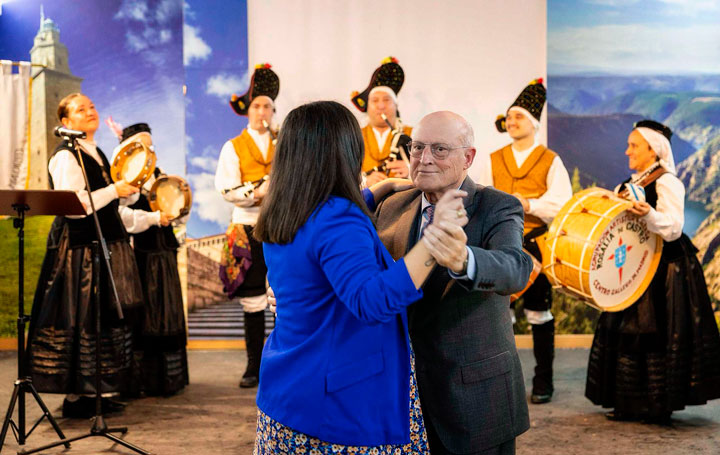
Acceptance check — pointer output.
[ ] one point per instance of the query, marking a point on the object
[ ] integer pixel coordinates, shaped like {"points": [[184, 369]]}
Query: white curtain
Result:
{"points": [[472, 57], [14, 106]]}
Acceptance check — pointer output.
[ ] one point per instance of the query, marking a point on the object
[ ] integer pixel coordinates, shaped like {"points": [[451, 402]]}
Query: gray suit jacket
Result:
{"points": [[468, 370]]}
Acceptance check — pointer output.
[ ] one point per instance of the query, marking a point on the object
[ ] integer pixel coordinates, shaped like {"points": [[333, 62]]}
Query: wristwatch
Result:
{"points": [[465, 265]]}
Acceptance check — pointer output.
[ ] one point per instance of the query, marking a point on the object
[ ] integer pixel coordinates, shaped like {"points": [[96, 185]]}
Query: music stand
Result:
{"points": [[21, 203]]}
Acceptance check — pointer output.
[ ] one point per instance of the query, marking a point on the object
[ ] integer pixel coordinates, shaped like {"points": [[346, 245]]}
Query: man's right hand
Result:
{"points": [[261, 191], [374, 178], [399, 168], [124, 189], [450, 208]]}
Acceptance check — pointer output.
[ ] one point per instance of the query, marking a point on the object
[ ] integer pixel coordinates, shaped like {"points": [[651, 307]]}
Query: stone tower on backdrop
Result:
{"points": [[50, 85]]}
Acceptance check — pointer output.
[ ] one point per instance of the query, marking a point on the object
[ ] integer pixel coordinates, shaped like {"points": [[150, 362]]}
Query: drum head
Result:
{"points": [[171, 195], [134, 164], [623, 262]]}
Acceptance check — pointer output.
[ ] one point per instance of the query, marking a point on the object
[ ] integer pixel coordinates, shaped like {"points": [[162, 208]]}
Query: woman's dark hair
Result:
{"points": [[319, 153]]}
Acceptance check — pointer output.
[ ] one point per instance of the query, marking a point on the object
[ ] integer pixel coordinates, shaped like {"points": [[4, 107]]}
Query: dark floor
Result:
{"points": [[214, 416]]}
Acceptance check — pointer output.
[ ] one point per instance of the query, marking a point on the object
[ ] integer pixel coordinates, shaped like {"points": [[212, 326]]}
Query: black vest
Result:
{"points": [[82, 230], [650, 192], [156, 237]]}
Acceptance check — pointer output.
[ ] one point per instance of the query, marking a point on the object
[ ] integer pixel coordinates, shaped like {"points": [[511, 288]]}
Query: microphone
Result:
{"points": [[61, 131]]}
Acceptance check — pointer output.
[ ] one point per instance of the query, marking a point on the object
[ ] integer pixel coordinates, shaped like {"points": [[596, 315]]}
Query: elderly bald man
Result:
{"points": [[468, 371]]}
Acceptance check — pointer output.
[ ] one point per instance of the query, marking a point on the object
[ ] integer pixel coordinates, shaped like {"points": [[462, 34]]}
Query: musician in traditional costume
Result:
{"points": [[537, 177], [241, 178], [385, 133], [62, 336], [663, 352], [160, 337]]}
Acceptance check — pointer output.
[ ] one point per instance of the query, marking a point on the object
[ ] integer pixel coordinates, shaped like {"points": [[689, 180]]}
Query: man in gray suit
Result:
{"points": [[469, 376]]}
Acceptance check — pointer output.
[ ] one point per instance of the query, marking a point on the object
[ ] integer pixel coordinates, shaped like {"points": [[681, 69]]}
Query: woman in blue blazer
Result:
{"points": [[336, 373]]}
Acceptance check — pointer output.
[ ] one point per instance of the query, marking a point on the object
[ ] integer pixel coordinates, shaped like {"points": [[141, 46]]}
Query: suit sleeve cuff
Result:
{"points": [[471, 268]]}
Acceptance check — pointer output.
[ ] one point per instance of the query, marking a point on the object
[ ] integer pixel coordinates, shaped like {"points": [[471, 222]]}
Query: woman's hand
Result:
{"points": [[165, 219], [639, 208], [272, 303], [447, 244], [124, 189], [389, 185]]}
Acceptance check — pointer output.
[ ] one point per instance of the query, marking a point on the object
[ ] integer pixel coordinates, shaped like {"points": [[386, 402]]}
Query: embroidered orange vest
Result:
{"points": [[373, 154], [252, 164], [530, 180]]}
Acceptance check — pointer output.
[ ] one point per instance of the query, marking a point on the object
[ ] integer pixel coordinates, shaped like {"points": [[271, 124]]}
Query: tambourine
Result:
{"points": [[134, 163], [171, 195]]}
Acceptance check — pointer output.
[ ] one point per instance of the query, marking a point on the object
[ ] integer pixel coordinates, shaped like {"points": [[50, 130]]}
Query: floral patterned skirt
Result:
{"points": [[275, 438]]}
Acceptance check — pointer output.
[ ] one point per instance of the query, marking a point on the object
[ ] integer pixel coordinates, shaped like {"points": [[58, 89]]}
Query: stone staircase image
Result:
{"points": [[222, 321]]}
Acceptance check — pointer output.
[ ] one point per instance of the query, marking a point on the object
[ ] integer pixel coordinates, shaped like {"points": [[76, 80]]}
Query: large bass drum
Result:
{"points": [[599, 252], [171, 195], [134, 163]]}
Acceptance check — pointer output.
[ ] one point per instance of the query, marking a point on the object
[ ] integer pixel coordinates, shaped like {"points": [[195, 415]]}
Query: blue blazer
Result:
{"points": [[337, 364]]}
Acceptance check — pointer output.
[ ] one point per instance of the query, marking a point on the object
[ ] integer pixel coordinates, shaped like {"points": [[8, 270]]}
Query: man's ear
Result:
{"points": [[469, 157], [65, 122]]}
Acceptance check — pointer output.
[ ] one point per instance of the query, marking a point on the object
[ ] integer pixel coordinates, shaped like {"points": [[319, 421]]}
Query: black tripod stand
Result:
{"points": [[99, 427], [42, 203]]}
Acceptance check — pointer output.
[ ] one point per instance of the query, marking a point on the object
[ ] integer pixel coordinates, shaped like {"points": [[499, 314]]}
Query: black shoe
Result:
{"points": [[78, 409], [540, 398], [619, 416], [110, 406], [248, 382]]}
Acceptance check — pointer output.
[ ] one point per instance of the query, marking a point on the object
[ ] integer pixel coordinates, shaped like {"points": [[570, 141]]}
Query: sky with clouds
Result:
{"points": [[216, 66], [633, 36], [134, 57], [129, 54]]}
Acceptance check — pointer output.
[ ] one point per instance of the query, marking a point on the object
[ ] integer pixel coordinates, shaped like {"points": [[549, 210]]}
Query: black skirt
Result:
{"points": [[663, 352], [162, 363], [61, 341]]}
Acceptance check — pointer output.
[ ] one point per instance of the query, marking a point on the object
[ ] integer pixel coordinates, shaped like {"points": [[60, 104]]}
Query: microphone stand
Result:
{"points": [[99, 427]]}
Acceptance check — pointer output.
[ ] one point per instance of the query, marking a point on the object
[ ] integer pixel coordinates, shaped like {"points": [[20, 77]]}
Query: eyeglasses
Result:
{"points": [[439, 151]]}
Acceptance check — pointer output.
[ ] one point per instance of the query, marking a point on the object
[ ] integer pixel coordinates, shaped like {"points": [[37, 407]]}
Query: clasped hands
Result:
{"points": [[445, 237]]}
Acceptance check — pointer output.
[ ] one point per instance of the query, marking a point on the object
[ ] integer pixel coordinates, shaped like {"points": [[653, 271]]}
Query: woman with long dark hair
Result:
{"points": [[337, 370]]}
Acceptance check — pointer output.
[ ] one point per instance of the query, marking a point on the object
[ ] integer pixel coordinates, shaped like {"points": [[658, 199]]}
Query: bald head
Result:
{"points": [[451, 124], [452, 136]]}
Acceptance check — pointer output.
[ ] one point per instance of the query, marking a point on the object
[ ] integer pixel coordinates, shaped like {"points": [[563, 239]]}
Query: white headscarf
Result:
{"points": [[660, 145], [526, 113], [385, 89]]}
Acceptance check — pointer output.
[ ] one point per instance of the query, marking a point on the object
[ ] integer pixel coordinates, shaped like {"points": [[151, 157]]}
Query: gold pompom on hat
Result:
{"points": [[264, 82], [531, 99], [389, 74]]}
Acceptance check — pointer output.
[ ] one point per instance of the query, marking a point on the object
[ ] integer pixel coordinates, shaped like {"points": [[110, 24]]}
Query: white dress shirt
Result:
{"points": [[67, 175], [381, 137], [228, 176]]}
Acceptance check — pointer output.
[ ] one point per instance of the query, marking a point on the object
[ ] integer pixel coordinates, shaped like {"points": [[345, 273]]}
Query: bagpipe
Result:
{"points": [[250, 186], [398, 148]]}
